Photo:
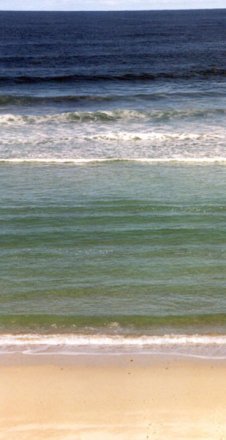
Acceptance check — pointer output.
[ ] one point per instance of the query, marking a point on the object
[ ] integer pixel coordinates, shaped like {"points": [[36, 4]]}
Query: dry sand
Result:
{"points": [[106, 398]]}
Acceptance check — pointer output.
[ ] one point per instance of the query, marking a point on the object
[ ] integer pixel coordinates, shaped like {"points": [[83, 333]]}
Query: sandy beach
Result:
{"points": [[112, 397]]}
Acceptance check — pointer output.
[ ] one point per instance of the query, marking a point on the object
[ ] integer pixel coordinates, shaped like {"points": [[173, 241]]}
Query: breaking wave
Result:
{"points": [[110, 116]]}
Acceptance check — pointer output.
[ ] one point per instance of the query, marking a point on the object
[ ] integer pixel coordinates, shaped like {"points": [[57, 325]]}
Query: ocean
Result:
{"points": [[113, 182]]}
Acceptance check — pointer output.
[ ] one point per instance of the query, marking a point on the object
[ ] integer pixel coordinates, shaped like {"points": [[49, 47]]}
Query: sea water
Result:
{"points": [[113, 181]]}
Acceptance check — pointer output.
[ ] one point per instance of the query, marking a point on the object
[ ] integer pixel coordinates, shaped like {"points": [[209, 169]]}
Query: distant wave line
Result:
{"points": [[27, 99], [124, 76], [7, 99]]}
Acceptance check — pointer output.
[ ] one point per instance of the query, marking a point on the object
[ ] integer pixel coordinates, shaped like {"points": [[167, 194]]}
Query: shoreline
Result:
{"points": [[181, 346], [107, 359], [111, 397]]}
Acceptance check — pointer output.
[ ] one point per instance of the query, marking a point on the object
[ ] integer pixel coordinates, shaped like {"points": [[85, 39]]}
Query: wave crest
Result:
{"points": [[110, 116]]}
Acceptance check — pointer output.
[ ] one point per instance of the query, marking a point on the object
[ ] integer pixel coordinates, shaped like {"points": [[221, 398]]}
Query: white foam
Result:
{"points": [[125, 115], [78, 161], [206, 346]]}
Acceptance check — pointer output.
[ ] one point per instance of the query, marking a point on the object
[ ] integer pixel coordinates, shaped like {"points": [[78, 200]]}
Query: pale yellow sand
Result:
{"points": [[129, 398]]}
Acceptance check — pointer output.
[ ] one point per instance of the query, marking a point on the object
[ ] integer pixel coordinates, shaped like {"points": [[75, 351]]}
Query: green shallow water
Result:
{"points": [[140, 245]]}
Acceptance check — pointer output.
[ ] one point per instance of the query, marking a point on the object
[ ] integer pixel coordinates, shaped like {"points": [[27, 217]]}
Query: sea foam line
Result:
{"points": [[81, 161], [199, 346], [110, 340]]}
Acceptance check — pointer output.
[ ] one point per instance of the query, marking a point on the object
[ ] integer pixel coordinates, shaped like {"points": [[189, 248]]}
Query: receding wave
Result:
{"points": [[204, 346], [210, 72]]}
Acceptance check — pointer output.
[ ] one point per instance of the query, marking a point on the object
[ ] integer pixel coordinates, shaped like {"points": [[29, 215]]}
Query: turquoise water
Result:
{"points": [[119, 246]]}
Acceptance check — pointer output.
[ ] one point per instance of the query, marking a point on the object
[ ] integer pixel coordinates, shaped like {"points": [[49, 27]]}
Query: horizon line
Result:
{"points": [[115, 10]]}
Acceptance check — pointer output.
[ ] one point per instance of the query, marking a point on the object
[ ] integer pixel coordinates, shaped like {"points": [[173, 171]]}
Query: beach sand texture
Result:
{"points": [[113, 398]]}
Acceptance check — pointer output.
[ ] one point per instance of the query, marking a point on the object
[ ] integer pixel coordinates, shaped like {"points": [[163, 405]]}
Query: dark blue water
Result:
{"points": [[106, 47], [115, 85]]}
